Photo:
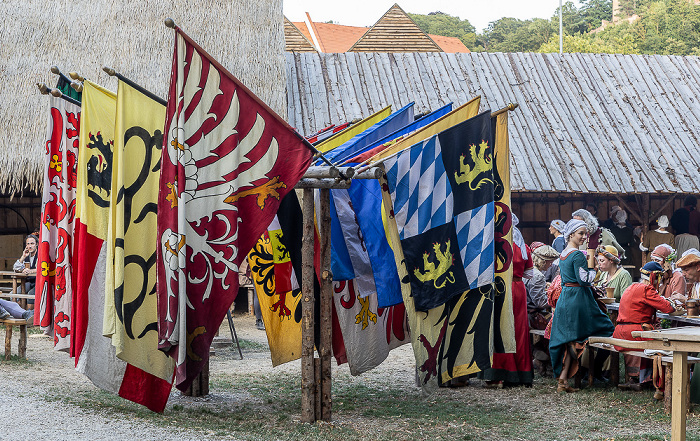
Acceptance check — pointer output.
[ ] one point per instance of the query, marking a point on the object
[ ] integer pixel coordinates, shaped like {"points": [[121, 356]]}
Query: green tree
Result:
{"points": [[513, 35], [439, 23], [591, 44], [572, 19], [595, 11]]}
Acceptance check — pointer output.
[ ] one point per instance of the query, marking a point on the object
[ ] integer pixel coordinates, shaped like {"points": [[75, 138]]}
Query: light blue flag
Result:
{"points": [[388, 125], [410, 128], [366, 197], [341, 266]]}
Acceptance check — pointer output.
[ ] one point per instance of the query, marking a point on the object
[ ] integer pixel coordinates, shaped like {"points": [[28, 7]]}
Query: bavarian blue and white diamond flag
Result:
{"points": [[442, 190]]}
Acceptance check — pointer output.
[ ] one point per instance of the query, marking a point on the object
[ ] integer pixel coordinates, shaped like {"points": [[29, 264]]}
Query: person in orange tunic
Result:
{"points": [[638, 307]]}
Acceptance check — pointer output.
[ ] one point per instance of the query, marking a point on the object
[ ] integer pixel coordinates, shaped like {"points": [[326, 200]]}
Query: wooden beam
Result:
{"points": [[326, 308], [679, 407], [308, 414], [668, 202], [629, 209]]}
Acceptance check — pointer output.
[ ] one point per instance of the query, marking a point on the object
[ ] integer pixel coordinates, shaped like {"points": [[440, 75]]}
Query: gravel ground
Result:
{"points": [[28, 392]]}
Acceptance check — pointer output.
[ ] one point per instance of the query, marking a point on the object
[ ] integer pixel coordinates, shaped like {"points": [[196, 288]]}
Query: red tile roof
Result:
{"points": [[335, 38]]}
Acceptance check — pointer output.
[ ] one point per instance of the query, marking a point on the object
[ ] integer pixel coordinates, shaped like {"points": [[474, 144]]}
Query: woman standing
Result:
{"points": [[577, 316], [610, 274]]}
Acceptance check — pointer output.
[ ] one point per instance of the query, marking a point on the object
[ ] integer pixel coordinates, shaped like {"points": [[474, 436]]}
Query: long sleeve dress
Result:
{"points": [[516, 368], [577, 316], [638, 307]]}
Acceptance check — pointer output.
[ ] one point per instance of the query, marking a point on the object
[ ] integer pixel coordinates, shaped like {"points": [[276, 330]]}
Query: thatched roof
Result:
{"points": [[247, 37]]}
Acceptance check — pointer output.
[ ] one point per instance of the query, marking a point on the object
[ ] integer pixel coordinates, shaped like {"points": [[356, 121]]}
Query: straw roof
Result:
{"points": [[247, 37]]}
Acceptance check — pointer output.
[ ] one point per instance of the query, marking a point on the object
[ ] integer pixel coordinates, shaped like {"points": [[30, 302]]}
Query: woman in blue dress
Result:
{"points": [[577, 316]]}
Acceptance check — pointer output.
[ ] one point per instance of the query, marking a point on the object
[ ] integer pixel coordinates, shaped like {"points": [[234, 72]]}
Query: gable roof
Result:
{"points": [[593, 123], [295, 40], [382, 36]]}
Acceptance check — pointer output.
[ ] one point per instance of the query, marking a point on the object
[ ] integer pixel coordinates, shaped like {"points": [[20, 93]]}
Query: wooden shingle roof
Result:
{"points": [[589, 123], [395, 32]]}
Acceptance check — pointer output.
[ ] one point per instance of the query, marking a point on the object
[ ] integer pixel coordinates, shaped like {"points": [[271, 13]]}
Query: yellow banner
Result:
{"points": [[131, 314], [462, 113], [279, 311], [94, 181], [504, 267], [355, 129]]}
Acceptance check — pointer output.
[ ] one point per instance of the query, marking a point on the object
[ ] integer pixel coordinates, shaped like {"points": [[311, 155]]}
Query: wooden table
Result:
{"points": [[17, 279], [680, 341]]}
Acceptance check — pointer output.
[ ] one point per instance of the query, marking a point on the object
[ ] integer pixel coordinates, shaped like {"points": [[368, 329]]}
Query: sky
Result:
{"points": [[367, 12]]}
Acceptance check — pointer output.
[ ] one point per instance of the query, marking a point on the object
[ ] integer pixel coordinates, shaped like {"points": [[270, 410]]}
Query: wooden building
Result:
{"points": [[83, 36], [609, 129], [395, 31]]}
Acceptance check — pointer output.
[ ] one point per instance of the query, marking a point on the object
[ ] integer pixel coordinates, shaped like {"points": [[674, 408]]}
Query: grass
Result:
{"points": [[267, 407]]}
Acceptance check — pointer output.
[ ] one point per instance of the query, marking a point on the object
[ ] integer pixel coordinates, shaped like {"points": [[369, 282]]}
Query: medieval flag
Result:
{"points": [[441, 194], [131, 311], [369, 332], [376, 147], [504, 330], [275, 264], [227, 161], [326, 133], [64, 86], [463, 112], [95, 356], [359, 247], [53, 294], [357, 128], [388, 125]]}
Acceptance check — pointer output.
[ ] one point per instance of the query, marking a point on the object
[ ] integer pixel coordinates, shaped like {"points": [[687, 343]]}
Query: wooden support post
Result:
{"points": [[317, 383], [8, 341], [326, 308], [22, 348], [200, 385], [679, 405], [668, 389], [308, 414], [614, 368]]}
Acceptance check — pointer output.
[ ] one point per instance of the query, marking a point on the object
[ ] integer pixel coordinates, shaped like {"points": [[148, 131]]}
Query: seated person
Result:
{"points": [[11, 309], [27, 264], [610, 273], [638, 308], [672, 281]]}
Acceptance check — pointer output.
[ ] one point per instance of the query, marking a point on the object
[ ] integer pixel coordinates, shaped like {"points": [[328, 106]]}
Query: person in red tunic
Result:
{"points": [[672, 281], [516, 369], [638, 307]]}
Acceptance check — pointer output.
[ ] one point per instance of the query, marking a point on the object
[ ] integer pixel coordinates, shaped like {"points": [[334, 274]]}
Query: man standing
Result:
{"points": [[556, 228]]}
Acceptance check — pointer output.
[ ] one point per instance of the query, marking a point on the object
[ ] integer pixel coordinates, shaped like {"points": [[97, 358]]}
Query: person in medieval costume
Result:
{"points": [[515, 369], [577, 316], [556, 228], [597, 236], [672, 281], [689, 263], [538, 310], [638, 307], [654, 238], [610, 273]]}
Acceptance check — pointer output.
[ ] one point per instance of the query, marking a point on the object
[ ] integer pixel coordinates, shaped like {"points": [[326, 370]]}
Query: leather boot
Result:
{"points": [[563, 386]]}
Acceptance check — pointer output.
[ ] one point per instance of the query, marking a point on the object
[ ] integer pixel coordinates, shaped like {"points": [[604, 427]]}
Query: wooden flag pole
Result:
{"points": [[326, 309], [112, 73], [308, 414]]}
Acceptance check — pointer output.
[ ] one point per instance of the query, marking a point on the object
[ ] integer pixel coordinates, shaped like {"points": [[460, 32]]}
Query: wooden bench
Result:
{"points": [[9, 324]]}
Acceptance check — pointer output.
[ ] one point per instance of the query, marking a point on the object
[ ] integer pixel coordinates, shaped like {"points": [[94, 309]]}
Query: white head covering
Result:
{"points": [[662, 221], [518, 237], [573, 226], [620, 218], [591, 221], [558, 225]]}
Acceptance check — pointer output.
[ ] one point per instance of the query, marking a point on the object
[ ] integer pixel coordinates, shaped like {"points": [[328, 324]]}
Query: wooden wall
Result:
{"points": [[537, 210], [19, 216]]}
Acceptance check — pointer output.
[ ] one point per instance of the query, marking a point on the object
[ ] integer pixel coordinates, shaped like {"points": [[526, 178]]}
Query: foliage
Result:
{"points": [[665, 27], [439, 23]]}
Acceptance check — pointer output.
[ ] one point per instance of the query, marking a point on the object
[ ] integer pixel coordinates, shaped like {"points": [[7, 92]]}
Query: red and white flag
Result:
{"points": [[54, 265], [227, 161]]}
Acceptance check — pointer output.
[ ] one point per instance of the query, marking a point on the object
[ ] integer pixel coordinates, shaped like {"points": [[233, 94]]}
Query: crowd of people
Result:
{"points": [[563, 289]]}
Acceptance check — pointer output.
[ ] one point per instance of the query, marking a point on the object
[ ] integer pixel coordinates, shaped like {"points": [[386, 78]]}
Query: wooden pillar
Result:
{"points": [[679, 405], [326, 308], [200, 385], [8, 341], [308, 414], [22, 348]]}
